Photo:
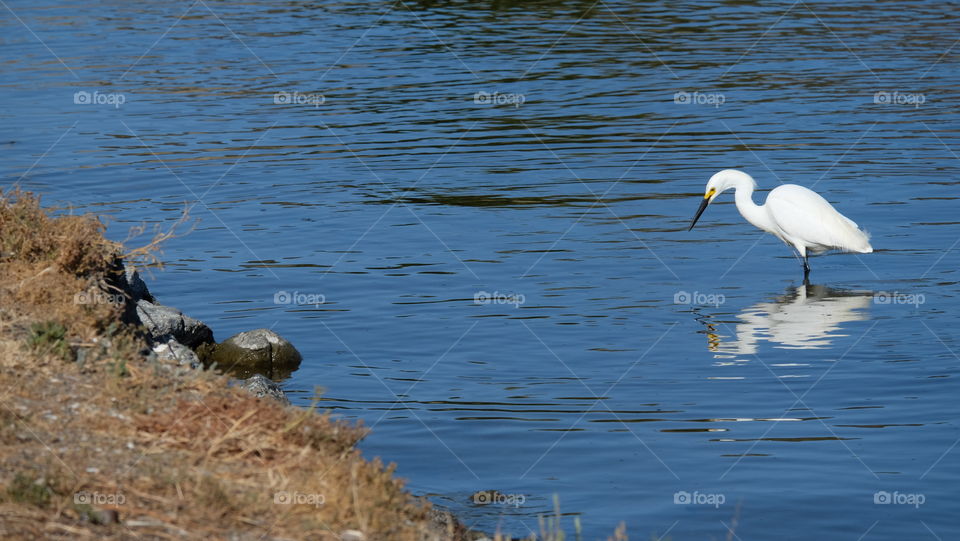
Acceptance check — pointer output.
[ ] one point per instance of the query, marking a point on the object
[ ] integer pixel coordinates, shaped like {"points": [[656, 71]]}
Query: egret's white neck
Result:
{"points": [[752, 212]]}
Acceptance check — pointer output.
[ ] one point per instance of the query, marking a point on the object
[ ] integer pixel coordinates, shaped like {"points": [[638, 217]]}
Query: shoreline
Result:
{"points": [[115, 426]]}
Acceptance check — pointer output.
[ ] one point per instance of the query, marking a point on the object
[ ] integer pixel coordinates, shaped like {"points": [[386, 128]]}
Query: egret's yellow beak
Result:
{"points": [[707, 197]]}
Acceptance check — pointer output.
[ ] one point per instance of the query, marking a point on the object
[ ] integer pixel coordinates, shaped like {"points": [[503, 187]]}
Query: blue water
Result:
{"points": [[349, 153]]}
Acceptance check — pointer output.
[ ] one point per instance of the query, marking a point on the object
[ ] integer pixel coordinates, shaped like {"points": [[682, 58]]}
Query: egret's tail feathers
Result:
{"points": [[863, 246]]}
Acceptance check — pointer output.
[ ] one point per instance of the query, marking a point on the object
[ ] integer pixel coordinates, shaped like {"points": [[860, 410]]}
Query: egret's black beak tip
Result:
{"points": [[703, 207]]}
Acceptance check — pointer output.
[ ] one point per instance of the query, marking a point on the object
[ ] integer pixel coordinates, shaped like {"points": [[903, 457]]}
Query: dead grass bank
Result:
{"points": [[96, 442]]}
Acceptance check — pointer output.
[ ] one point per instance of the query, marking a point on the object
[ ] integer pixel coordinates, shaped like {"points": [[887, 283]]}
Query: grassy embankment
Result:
{"points": [[95, 441]]}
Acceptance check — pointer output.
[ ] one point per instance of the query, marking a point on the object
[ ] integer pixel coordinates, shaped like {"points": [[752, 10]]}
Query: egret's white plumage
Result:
{"points": [[796, 215]]}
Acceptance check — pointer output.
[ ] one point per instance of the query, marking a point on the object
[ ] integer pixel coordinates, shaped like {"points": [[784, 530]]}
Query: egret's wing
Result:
{"points": [[806, 216]]}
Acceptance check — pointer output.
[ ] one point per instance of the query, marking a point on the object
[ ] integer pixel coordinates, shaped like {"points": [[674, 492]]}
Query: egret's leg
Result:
{"points": [[802, 250]]}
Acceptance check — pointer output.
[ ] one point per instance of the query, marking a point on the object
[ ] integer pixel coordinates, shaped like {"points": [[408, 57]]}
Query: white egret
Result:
{"points": [[798, 216]]}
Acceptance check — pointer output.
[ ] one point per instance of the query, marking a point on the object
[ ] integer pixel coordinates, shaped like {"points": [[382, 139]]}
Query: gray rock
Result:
{"points": [[126, 281], [164, 321], [260, 351], [134, 286], [261, 387], [173, 351]]}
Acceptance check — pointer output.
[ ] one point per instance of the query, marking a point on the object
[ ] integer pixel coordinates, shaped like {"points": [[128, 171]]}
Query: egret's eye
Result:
{"points": [[710, 193]]}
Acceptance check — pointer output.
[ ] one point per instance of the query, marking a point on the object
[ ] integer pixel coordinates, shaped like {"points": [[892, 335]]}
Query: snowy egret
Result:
{"points": [[798, 216]]}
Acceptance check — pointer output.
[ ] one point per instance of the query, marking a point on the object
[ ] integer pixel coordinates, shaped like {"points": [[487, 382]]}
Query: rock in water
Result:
{"points": [[261, 387], [165, 321], [260, 351]]}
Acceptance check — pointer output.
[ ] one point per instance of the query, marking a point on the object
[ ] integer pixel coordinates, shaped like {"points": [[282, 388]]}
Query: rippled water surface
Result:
{"points": [[491, 202]]}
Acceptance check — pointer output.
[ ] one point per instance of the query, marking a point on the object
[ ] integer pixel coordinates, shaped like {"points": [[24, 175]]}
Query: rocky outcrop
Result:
{"points": [[183, 342]]}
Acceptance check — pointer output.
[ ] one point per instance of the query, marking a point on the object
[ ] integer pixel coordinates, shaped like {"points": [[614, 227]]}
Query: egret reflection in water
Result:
{"points": [[806, 317]]}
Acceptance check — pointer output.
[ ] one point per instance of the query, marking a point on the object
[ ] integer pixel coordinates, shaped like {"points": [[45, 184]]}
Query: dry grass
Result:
{"points": [[147, 255], [111, 446], [183, 458]]}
